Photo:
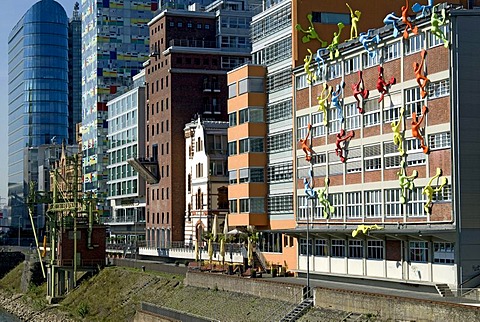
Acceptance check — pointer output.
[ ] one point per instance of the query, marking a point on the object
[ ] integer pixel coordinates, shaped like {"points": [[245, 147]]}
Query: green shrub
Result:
{"points": [[83, 309]]}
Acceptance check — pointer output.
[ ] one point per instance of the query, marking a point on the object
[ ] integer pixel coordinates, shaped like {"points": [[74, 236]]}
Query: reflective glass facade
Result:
{"points": [[115, 45], [75, 74], [37, 89]]}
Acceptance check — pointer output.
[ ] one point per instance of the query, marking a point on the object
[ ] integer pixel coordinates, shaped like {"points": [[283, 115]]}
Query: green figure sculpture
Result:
{"points": [[327, 207], [365, 229], [308, 60], [437, 22], [405, 182], [310, 33], [333, 47], [398, 133], [355, 17], [429, 191], [323, 102]]}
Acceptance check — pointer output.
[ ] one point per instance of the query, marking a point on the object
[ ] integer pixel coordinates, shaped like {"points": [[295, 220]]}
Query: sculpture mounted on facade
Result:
{"points": [[422, 80], [365, 229], [368, 41], [436, 23], [321, 66], [333, 47], [336, 97], [306, 145], [311, 77], [355, 17], [327, 208], [425, 9], [405, 181], [323, 102], [391, 19], [398, 133], [310, 32], [309, 191], [429, 191], [417, 131], [382, 86], [359, 90], [344, 138], [408, 24]]}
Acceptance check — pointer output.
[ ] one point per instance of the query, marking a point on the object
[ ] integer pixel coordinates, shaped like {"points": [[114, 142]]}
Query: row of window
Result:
{"points": [[271, 23], [246, 85], [443, 252], [249, 114], [371, 204], [247, 205], [154, 218], [123, 188], [248, 145], [274, 53], [154, 108]]}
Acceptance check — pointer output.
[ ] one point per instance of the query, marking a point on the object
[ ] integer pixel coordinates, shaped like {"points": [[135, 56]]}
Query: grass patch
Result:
{"points": [[11, 281]]}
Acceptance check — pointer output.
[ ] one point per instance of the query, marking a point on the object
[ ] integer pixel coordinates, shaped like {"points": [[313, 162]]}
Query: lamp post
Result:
{"points": [[308, 250]]}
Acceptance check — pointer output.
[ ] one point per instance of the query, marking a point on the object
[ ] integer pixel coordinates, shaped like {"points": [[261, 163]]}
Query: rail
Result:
{"points": [[298, 298], [468, 283]]}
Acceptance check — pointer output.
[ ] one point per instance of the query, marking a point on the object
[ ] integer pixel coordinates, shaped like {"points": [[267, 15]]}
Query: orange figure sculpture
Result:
{"points": [[382, 85], [407, 22], [422, 80], [359, 89], [342, 137], [306, 146], [416, 132]]}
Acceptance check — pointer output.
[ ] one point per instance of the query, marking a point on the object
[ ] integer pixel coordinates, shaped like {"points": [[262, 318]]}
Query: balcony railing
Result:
{"points": [[193, 43]]}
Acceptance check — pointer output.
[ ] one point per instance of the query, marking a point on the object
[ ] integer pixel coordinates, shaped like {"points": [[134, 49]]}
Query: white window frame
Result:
{"points": [[334, 70], [413, 101], [438, 89], [391, 51], [391, 156], [352, 65], [355, 248], [371, 115], [302, 126], [375, 249], [337, 248], [372, 157], [393, 207], [333, 121], [418, 251], [414, 44], [369, 61], [373, 203], [391, 108], [336, 200], [415, 203], [434, 41], [321, 248], [352, 117], [354, 204], [443, 253]]}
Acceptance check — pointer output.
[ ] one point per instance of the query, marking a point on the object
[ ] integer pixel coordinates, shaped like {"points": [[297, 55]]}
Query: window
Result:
{"points": [[337, 203], [280, 142], [334, 70], [232, 148], [232, 176], [373, 203], [434, 40], [250, 85], [438, 89], [439, 141], [338, 248], [303, 247], [354, 204], [251, 175], [330, 18], [391, 109], [318, 128], [302, 126], [419, 251], [414, 44], [334, 122], [371, 114], [244, 205], [355, 248], [270, 242], [301, 82], [392, 203], [280, 203], [352, 65], [391, 51], [392, 157], [372, 157], [232, 204], [232, 119], [275, 21], [415, 155], [374, 249], [443, 253], [321, 247], [251, 114], [279, 81], [251, 145], [413, 102], [232, 90], [371, 60], [303, 208], [279, 111], [278, 172], [199, 170], [275, 52], [354, 160], [352, 117], [218, 167], [415, 202]]}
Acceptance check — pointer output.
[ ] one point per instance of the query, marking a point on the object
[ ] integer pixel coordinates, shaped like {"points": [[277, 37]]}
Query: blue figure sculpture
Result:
{"points": [[311, 194], [321, 68], [425, 9], [336, 100], [391, 19], [366, 39]]}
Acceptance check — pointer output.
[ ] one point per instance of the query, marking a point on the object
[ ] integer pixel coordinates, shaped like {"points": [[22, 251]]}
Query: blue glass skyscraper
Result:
{"points": [[37, 92]]}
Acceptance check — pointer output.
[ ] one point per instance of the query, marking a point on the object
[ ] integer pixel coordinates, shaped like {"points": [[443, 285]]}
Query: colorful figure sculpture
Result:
{"points": [[333, 47], [382, 86], [416, 131], [405, 182], [309, 191], [310, 33], [336, 100], [425, 9], [327, 208], [321, 67], [306, 146], [406, 21], [398, 133], [323, 102], [342, 137], [437, 23], [422, 80], [429, 191], [365, 229], [367, 40], [391, 19], [355, 17], [360, 90], [308, 60]]}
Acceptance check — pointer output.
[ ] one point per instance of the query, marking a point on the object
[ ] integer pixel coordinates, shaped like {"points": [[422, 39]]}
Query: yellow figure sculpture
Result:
{"points": [[365, 229], [323, 102], [310, 32], [308, 60], [333, 47], [429, 191], [355, 17], [437, 22], [405, 182], [327, 207], [398, 133]]}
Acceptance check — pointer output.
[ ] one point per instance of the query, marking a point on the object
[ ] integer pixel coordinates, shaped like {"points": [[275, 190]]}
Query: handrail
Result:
{"points": [[468, 280], [289, 306], [261, 258]]}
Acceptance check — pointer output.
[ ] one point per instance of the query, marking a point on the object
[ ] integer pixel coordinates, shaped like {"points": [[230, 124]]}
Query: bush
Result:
{"points": [[83, 309]]}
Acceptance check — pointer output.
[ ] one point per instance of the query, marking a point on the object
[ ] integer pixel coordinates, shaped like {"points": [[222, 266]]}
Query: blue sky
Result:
{"points": [[12, 11]]}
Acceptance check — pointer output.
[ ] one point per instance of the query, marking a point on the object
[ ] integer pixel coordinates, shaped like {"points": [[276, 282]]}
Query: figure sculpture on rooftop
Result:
{"points": [[333, 47], [429, 191], [437, 22], [391, 19], [405, 182], [321, 67], [360, 90], [425, 9], [367, 40], [382, 86], [416, 131], [342, 137], [310, 33], [422, 80], [407, 22], [355, 17], [323, 102]]}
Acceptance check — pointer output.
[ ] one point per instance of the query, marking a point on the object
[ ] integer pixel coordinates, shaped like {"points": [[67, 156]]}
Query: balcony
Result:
{"points": [[192, 43], [146, 167]]}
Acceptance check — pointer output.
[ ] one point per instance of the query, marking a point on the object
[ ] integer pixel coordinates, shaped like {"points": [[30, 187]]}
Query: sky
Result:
{"points": [[12, 11]]}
